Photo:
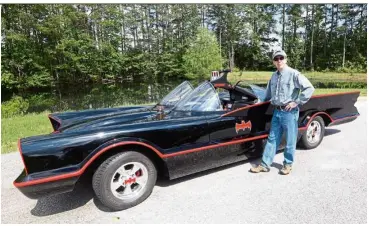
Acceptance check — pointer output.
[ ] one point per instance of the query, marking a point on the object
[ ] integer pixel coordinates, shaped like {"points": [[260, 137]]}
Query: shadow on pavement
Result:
{"points": [[329, 132], [277, 165], [59, 203], [163, 182]]}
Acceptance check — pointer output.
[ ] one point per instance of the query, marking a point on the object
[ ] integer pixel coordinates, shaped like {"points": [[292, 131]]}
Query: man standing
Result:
{"points": [[287, 89]]}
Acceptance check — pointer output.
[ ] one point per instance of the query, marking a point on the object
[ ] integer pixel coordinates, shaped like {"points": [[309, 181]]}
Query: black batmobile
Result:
{"points": [[126, 151], [130, 112]]}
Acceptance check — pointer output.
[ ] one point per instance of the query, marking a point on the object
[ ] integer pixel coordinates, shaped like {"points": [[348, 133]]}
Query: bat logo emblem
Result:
{"points": [[130, 181], [243, 125]]}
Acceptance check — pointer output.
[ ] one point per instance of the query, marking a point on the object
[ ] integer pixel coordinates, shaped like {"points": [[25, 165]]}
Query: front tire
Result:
{"points": [[124, 180], [313, 136]]}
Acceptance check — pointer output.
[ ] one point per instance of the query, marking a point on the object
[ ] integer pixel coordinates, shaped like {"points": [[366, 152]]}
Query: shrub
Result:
{"points": [[236, 69], [15, 106]]}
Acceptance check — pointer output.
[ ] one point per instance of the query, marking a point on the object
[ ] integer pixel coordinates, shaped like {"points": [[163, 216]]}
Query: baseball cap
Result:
{"points": [[279, 53]]}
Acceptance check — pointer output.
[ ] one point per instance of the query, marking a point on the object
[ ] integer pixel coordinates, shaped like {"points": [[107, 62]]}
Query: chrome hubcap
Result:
{"points": [[313, 132], [129, 180]]}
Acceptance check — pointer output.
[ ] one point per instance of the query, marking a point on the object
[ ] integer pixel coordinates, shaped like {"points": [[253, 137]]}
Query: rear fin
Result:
{"points": [[219, 78], [55, 122], [21, 153]]}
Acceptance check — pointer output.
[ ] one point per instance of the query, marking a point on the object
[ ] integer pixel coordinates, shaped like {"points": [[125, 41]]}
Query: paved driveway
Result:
{"points": [[327, 185]]}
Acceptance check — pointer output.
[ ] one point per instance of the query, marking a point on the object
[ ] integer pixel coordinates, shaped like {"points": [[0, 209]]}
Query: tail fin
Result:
{"points": [[219, 78]]}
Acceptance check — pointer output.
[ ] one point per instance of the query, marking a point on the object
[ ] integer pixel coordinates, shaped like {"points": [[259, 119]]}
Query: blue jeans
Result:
{"points": [[282, 121]]}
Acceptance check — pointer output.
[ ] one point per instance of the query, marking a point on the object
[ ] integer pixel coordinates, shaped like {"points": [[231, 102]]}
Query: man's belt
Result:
{"points": [[280, 107]]}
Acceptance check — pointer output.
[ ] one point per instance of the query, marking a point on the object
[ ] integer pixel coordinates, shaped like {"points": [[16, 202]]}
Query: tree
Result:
{"points": [[52, 43], [294, 40], [202, 56]]}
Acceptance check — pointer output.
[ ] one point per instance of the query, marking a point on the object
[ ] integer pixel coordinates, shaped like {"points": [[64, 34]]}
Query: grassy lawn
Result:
{"points": [[264, 76], [363, 92], [37, 124], [22, 126]]}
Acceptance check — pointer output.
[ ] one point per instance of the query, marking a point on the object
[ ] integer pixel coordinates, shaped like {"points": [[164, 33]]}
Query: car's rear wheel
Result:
{"points": [[313, 135], [124, 180]]}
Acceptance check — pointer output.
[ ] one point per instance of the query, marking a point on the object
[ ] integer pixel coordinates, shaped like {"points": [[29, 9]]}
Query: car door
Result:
{"points": [[242, 130]]}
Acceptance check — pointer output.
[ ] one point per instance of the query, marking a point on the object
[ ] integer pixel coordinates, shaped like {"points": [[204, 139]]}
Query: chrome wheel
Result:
{"points": [[314, 132], [129, 181], [124, 180]]}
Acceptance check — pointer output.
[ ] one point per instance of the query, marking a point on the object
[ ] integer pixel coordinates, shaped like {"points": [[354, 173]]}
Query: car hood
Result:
{"points": [[66, 120], [132, 119]]}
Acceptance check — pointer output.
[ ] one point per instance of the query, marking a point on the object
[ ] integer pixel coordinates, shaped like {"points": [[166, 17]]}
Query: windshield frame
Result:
{"points": [[182, 90], [203, 98]]}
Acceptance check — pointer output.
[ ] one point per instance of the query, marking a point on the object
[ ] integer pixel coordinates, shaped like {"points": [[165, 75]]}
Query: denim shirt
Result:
{"points": [[288, 85]]}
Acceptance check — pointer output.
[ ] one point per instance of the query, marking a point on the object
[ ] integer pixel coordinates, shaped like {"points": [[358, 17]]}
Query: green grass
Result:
{"points": [[264, 76], [22, 126], [27, 125], [363, 92], [36, 124]]}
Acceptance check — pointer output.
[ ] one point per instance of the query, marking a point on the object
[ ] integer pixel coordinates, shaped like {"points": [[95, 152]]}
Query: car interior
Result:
{"points": [[232, 97], [236, 97]]}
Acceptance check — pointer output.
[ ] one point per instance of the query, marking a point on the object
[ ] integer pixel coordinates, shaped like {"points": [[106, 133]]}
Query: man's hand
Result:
{"points": [[290, 106]]}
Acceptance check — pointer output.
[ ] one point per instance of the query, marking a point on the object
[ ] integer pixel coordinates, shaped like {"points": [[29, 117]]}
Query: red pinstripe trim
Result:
{"points": [[216, 145], [79, 172], [220, 85], [355, 116], [312, 117], [20, 151], [261, 103], [330, 118], [244, 108]]}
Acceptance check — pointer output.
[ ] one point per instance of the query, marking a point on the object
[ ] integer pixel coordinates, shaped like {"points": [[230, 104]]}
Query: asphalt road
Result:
{"points": [[327, 185]]}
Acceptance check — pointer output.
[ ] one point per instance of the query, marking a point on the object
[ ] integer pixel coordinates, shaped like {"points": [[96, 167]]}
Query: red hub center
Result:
{"points": [[130, 180]]}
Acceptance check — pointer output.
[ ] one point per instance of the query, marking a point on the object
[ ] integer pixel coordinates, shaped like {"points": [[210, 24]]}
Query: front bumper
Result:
{"points": [[41, 187]]}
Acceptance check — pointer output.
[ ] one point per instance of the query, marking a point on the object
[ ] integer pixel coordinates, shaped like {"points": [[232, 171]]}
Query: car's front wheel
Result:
{"points": [[314, 134], [124, 180]]}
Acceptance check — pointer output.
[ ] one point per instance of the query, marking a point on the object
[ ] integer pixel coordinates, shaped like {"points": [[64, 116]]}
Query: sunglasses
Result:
{"points": [[278, 58]]}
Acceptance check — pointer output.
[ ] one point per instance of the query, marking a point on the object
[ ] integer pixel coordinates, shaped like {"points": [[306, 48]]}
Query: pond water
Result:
{"points": [[65, 97]]}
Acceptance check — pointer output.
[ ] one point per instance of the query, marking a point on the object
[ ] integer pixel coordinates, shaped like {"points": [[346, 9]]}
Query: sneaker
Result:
{"points": [[258, 169], [286, 170]]}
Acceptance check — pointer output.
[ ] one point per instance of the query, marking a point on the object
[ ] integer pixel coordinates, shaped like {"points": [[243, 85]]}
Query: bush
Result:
{"points": [[352, 67], [344, 70], [236, 69], [16, 106], [40, 102], [327, 70], [339, 85]]}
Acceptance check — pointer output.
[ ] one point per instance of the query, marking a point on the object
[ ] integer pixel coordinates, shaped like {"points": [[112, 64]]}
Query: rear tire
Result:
{"points": [[313, 135], [124, 180]]}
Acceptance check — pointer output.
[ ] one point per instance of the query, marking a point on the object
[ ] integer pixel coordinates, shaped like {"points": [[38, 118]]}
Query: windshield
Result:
{"points": [[254, 89], [180, 92], [203, 98]]}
